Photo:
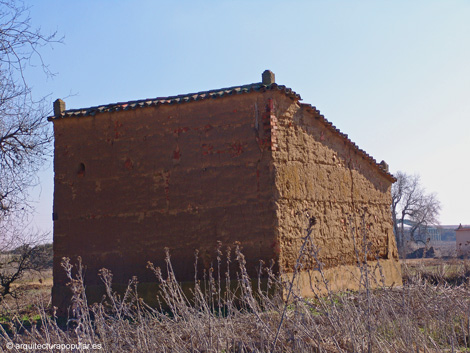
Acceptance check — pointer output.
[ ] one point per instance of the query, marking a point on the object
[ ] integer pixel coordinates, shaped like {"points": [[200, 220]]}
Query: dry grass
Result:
{"points": [[430, 313], [453, 271], [424, 315]]}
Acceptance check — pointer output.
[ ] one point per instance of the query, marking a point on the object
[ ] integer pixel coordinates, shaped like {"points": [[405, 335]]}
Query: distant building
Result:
{"points": [[462, 235], [432, 233], [421, 233]]}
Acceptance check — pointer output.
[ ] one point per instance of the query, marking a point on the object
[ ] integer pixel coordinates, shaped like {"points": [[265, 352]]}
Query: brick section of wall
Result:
{"points": [[317, 171], [239, 168], [129, 183]]}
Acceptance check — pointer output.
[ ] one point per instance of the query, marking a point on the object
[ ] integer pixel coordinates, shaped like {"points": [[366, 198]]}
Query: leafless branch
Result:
{"points": [[410, 202], [25, 141]]}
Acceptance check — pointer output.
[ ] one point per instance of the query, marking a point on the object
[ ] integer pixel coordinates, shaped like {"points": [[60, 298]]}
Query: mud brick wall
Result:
{"points": [[319, 171], [184, 176], [243, 168]]}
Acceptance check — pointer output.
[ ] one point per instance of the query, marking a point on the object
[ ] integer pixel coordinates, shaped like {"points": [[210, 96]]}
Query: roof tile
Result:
{"points": [[184, 98], [369, 158], [217, 93]]}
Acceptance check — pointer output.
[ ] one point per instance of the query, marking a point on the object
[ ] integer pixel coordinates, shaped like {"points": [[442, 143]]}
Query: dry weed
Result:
{"points": [[225, 314]]}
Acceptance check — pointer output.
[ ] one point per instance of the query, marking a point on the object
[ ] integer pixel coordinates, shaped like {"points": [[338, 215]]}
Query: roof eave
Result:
{"points": [[312, 109], [184, 98]]}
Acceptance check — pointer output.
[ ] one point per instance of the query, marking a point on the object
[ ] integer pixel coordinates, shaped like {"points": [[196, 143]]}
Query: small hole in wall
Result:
{"points": [[81, 170]]}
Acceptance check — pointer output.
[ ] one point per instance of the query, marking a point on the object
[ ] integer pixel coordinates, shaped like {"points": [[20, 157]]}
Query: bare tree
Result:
{"points": [[410, 202], [25, 137], [24, 133]]}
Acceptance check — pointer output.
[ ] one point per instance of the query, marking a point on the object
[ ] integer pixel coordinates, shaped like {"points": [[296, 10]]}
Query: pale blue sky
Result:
{"points": [[393, 75]]}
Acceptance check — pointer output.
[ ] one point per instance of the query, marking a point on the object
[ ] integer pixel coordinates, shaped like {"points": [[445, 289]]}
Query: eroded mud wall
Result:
{"points": [[319, 173]]}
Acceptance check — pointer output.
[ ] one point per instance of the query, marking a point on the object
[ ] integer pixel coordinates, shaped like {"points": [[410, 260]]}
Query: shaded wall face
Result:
{"points": [[316, 171], [130, 183]]}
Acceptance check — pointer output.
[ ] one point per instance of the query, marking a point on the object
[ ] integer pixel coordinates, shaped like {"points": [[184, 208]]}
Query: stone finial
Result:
{"points": [[268, 77], [59, 107], [384, 166]]}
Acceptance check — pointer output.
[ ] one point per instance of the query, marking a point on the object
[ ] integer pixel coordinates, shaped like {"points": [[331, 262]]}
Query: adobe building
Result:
{"points": [[235, 164]]}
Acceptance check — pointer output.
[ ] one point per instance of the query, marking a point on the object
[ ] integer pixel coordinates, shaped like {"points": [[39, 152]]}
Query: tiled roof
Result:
{"points": [[333, 128], [184, 98], [218, 93]]}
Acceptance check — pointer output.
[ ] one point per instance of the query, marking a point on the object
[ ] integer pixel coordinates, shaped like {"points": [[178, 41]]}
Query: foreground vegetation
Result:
{"points": [[430, 313]]}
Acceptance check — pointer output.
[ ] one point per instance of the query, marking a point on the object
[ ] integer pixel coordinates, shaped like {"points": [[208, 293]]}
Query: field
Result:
{"points": [[430, 313], [33, 291]]}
